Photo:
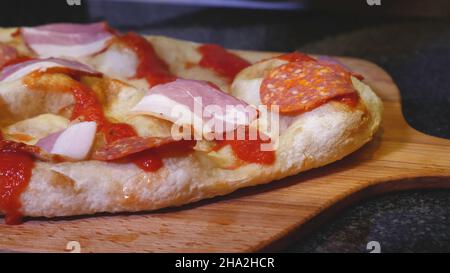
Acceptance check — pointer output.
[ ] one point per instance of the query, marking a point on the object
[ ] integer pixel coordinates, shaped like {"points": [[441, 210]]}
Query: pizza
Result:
{"points": [[95, 120]]}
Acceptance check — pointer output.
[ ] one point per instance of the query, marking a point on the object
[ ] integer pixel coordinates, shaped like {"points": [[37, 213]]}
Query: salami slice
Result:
{"points": [[37, 152], [127, 146], [302, 86]]}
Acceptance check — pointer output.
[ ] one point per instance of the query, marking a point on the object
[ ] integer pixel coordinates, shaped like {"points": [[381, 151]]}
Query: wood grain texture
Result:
{"points": [[263, 217]]}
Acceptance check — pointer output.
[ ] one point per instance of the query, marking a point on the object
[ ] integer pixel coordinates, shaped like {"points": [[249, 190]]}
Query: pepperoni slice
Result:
{"points": [[302, 86], [12, 146], [248, 149], [8, 146], [127, 146]]}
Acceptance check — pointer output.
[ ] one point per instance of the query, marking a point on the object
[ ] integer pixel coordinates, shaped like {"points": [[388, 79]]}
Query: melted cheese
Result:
{"points": [[33, 129]]}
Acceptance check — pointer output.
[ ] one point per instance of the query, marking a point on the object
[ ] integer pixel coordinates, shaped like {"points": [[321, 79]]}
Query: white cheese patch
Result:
{"points": [[116, 62]]}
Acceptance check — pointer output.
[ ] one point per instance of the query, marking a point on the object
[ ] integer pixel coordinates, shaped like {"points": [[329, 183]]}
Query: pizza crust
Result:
{"points": [[316, 138]]}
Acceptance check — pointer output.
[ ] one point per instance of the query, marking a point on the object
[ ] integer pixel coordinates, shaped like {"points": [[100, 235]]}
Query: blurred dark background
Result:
{"points": [[409, 39]]}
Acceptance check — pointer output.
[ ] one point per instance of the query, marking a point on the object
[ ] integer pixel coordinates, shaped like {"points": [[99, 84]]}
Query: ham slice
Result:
{"points": [[75, 142], [7, 54], [17, 71], [67, 40], [198, 104]]}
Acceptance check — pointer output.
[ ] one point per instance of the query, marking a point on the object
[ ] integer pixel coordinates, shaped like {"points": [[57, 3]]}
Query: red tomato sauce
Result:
{"points": [[148, 161], [150, 67], [151, 160], [15, 173], [88, 108], [221, 61], [116, 131], [19, 59], [249, 150], [350, 100]]}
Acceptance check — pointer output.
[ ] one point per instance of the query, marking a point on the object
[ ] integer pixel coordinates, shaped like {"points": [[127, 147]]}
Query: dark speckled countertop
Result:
{"points": [[415, 51]]}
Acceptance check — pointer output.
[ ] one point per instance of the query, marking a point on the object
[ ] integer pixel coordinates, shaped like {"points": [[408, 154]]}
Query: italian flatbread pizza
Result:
{"points": [[95, 120]]}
